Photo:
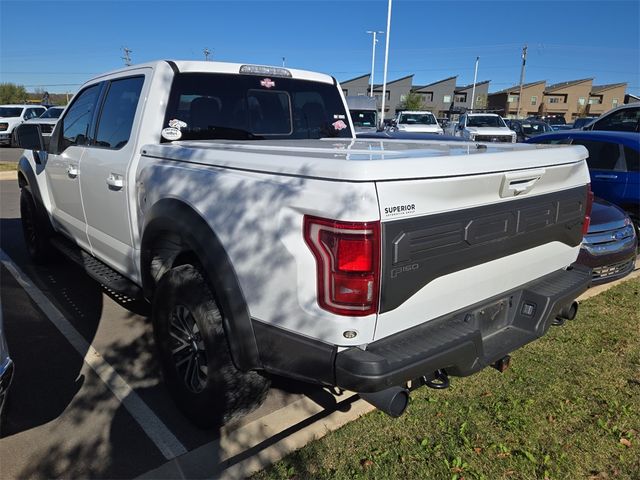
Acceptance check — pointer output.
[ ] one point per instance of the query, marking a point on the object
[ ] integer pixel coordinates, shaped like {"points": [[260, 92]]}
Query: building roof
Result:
{"points": [[379, 85], [460, 88], [517, 87], [609, 86], [356, 78], [570, 83], [420, 87]]}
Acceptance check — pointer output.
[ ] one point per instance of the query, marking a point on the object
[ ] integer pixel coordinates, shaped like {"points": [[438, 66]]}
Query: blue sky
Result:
{"points": [[58, 45]]}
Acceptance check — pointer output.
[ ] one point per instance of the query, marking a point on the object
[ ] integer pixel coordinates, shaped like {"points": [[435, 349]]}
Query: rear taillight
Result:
{"points": [[347, 264], [587, 210]]}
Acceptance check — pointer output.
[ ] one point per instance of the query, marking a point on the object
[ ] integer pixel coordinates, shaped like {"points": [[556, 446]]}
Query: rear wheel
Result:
{"points": [[34, 228], [194, 352]]}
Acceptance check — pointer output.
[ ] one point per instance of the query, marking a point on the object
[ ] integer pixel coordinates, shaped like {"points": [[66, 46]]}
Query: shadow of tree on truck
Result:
{"points": [[248, 206]]}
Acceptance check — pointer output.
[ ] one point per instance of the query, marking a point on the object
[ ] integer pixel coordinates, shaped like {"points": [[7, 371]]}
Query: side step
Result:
{"points": [[96, 269]]}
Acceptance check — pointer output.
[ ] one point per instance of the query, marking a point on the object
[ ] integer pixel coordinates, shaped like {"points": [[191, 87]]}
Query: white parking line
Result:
{"points": [[150, 423]]}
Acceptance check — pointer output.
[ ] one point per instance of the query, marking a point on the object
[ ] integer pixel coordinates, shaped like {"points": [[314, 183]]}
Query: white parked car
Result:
{"points": [[484, 127], [13, 115], [47, 121], [417, 121]]}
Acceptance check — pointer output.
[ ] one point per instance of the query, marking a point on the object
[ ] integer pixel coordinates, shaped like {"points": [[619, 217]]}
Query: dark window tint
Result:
{"points": [[602, 155], [246, 107], [625, 120], [555, 141], [632, 158], [118, 112], [75, 127]]}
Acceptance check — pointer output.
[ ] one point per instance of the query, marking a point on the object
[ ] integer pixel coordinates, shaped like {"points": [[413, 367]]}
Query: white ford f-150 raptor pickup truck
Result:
{"points": [[270, 241], [483, 127]]}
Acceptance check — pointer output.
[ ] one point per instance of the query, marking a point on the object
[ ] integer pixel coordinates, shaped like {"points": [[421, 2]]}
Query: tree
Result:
{"points": [[12, 93], [412, 101]]}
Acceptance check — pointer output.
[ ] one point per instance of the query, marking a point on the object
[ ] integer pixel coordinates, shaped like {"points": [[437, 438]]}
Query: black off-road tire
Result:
{"points": [[221, 393], [35, 228]]}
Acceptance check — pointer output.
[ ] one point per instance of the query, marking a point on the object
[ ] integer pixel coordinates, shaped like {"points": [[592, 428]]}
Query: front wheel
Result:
{"points": [[194, 353], [35, 231]]}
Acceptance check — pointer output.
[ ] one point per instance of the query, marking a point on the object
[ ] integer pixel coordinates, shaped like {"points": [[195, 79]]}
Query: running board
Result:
{"points": [[99, 271]]}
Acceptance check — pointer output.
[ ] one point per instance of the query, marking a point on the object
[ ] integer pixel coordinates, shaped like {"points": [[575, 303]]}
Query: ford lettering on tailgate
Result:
{"points": [[418, 250]]}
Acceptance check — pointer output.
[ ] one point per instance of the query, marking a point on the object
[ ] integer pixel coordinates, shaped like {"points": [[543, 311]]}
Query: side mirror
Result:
{"points": [[29, 136]]}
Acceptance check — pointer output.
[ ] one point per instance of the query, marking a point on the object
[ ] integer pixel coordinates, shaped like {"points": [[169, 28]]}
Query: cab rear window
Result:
{"points": [[252, 107]]}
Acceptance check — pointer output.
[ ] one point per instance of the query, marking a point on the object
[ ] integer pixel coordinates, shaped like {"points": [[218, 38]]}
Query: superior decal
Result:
{"points": [[400, 209]]}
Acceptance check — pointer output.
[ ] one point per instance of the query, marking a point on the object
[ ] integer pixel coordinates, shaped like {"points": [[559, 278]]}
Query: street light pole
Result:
{"points": [[373, 57], [473, 90], [386, 62]]}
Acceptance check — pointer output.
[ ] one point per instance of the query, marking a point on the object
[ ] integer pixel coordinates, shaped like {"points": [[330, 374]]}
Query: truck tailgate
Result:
{"points": [[451, 242]]}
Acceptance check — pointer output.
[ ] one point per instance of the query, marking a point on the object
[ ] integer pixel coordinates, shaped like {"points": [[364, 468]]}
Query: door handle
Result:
{"points": [[606, 177], [72, 171], [115, 181]]}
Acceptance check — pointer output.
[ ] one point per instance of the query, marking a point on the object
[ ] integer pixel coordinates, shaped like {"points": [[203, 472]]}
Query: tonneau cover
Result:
{"points": [[364, 160]]}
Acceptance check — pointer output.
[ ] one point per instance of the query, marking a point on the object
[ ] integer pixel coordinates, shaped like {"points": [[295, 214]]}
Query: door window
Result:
{"points": [[75, 124], [118, 112], [603, 155], [625, 120], [632, 159]]}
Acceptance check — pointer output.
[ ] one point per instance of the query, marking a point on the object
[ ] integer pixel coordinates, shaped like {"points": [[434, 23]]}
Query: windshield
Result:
{"points": [[10, 111], [363, 118], [533, 129], [52, 113], [206, 106], [485, 121], [417, 119]]}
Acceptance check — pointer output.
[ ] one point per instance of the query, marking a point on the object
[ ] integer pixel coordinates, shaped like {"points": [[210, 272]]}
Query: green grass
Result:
{"points": [[568, 408], [8, 166]]}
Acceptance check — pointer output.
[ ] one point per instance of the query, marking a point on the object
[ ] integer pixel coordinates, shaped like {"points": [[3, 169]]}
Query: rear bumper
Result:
{"points": [[462, 343]]}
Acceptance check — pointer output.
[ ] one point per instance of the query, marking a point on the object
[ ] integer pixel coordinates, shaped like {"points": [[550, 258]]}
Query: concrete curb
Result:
{"points": [[11, 175]]}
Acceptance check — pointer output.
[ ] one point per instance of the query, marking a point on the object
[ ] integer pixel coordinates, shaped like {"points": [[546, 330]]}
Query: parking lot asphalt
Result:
{"points": [[87, 399], [10, 154]]}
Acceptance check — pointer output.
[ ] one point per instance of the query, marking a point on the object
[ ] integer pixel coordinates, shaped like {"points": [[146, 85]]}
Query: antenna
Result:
{"points": [[207, 52]]}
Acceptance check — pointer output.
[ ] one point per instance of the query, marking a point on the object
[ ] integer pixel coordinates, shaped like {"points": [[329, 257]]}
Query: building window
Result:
{"points": [[345, 92], [614, 103], [595, 101], [427, 97], [554, 99], [534, 100], [447, 99], [513, 98], [581, 101], [403, 98], [462, 98]]}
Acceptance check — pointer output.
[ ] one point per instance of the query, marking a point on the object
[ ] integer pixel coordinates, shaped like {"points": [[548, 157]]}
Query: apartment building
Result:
{"points": [[462, 96], [356, 86], [437, 97], [505, 101], [605, 97], [568, 99]]}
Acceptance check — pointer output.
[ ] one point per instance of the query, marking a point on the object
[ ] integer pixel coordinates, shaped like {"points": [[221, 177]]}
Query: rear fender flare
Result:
{"points": [[183, 234]]}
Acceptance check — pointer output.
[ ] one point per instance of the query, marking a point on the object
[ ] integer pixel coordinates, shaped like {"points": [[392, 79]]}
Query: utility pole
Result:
{"points": [[386, 62], [373, 57], [473, 90], [524, 61], [206, 52], [127, 56], [283, 61]]}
